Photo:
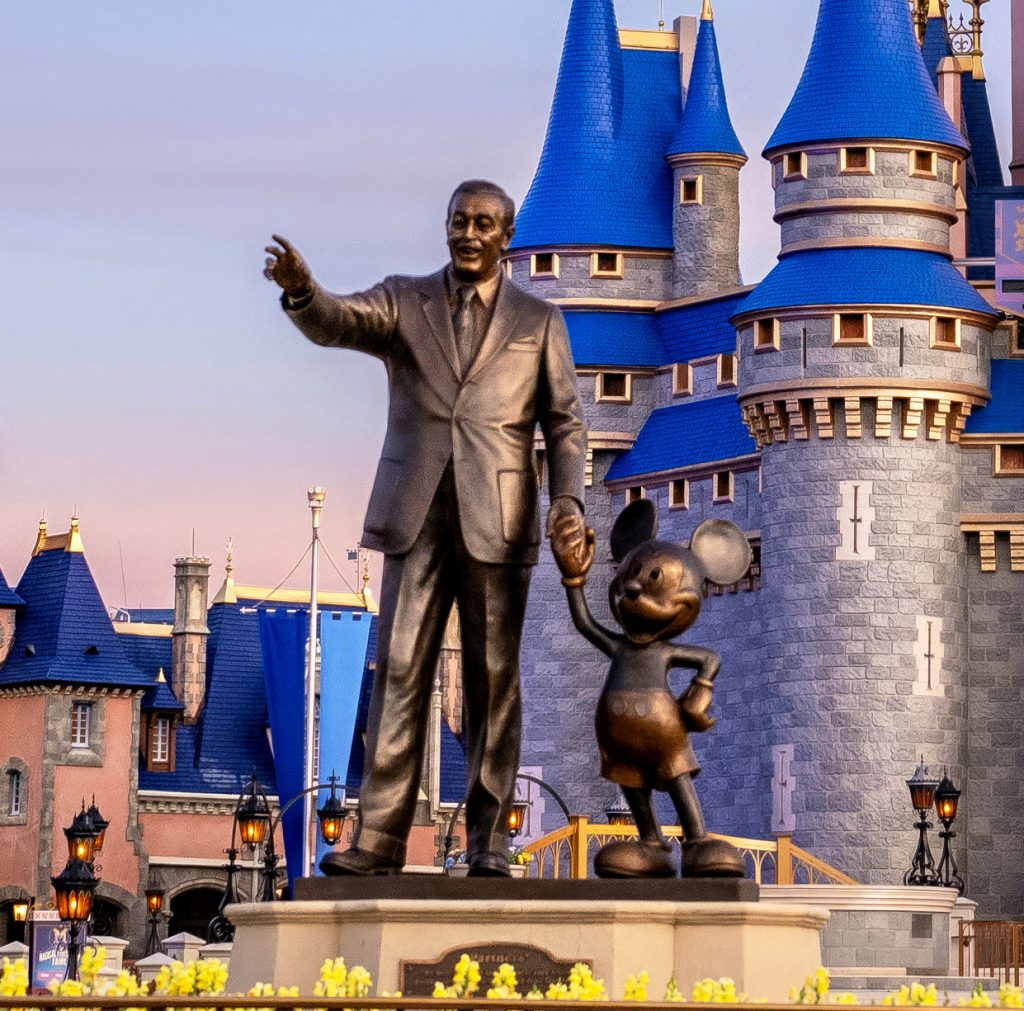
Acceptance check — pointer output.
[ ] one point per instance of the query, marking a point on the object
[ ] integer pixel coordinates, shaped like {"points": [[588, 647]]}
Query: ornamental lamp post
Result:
{"points": [[332, 815], [155, 905], [253, 815], [19, 910], [517, 817], [99, 823], [922, 791], [947, 798], [73, 888], [619, 813], [81, 837]]}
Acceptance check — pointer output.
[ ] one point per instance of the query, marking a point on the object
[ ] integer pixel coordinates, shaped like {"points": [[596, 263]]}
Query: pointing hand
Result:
{"points": [[287, 268]]}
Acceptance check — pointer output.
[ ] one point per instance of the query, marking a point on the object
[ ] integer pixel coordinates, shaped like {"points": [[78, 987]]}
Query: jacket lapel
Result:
{"points": [[434, 302], [502, 326]]}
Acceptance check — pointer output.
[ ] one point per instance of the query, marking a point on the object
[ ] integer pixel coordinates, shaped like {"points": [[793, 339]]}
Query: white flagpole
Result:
{"points": [[316, 503]]}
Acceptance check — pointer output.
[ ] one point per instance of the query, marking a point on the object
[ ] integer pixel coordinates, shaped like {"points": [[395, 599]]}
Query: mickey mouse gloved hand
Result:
{"points": [[694, 704]]}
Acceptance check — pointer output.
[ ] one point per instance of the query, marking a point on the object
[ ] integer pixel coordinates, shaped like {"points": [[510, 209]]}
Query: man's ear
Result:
{"points": [[509, 232], [637, 523], [722, 550]]}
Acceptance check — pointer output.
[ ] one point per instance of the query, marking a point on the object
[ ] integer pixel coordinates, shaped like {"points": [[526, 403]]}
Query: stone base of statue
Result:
{"points": [[409, 930]]}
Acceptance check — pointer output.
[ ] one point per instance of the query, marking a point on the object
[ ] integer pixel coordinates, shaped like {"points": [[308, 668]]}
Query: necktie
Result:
{"points": [[465, 323]]}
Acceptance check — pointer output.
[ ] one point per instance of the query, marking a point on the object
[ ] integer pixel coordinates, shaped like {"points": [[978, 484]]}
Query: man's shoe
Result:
{"points": [[357, 862], [488, 865]]}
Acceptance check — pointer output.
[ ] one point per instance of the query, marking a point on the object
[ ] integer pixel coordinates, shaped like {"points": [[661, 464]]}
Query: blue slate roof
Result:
{"points": [[935, 47], [602, 178], [685, 435], [700, 328], [151, 654], [8, 598], [706, 125], [453, 758], [865, 78], [615, 338], [867, 276], [64, 636], [1004, 413]]}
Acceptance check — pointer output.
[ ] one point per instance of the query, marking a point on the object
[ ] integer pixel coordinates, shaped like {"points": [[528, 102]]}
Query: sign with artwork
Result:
{"points": [[48, 938], [1010, 255]]}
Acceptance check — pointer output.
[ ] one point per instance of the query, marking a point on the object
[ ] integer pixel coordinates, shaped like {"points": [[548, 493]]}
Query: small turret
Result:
{"points": [[190, 632], [706, 157], [9, 602]]}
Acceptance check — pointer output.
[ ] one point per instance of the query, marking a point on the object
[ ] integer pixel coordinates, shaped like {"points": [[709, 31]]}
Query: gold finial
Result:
{"points": [[160, 676], [74, 545], [366, 570], [41, 536], [976, 25], [706, 13], [227, 594], [661, 16], [229, 567]]}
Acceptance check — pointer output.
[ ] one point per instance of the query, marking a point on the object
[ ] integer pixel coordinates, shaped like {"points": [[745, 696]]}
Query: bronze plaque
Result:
{"points": [[534, 967]]}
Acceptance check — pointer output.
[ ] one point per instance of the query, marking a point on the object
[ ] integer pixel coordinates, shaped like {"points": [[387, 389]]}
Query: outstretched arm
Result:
{"points": [[364, 321]]}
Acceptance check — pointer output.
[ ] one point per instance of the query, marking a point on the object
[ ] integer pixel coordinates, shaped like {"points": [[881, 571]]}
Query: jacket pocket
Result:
{"points": [[517, 491]]}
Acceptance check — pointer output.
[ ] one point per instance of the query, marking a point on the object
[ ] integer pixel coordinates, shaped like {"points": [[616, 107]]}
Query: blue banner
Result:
{"points": [[344, 636], [283, 637]]}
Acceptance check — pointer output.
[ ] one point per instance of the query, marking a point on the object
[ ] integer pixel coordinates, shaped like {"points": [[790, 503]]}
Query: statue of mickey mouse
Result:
{"points": [[642, 728]]}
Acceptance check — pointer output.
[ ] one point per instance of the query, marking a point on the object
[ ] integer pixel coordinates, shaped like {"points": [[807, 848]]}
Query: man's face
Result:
{"points": [[477, 235]]}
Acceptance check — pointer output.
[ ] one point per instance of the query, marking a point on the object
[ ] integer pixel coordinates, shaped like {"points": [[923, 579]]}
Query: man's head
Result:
{"points": [[480, 225]]}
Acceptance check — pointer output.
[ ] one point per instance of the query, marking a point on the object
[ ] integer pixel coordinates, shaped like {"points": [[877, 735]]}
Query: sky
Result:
{"points": [[148, 378]]}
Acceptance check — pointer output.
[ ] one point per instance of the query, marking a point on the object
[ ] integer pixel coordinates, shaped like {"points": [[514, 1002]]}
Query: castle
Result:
{"points": [[859, 413]]}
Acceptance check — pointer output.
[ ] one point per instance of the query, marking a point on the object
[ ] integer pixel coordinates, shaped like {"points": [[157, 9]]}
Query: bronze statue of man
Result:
{"points": [[474, 365]]}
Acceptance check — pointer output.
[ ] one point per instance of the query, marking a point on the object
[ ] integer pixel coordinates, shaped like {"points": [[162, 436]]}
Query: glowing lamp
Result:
{"points": [[20, 911], [154, 900], [922, 788], [331, 816], [81, 837], [99, 823], [253, 815], [619, 814], [73, 888], [517, 817], [947, 797]]}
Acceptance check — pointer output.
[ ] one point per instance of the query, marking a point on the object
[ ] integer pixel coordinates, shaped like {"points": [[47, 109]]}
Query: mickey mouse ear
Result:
{"points": [[637, 523], [723, 550]]}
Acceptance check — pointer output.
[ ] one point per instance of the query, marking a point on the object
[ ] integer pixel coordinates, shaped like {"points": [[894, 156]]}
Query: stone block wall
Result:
{"points": [[644, 276], [707, 234]]}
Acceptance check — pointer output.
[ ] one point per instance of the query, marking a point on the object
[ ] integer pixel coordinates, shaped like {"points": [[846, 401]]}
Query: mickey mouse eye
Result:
{"points": [[655, 574]]}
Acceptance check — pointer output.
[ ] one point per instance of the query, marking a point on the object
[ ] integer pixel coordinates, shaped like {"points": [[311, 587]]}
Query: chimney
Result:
{"points": [[1017, 65], [188, 649]]}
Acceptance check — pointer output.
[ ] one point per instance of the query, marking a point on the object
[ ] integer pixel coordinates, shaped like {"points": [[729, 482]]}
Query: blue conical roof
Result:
{"points": [[8, 598], [865, 79], [706, 125], [602, 178]]}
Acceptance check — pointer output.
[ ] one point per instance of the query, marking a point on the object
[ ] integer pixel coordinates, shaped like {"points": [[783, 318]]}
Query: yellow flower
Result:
{"points": [[13, 978], [1010, 996], [672, 992], [636, 987]]}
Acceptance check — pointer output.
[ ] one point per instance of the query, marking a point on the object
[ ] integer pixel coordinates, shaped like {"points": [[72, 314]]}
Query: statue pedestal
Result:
{"points": [[414, 928]]}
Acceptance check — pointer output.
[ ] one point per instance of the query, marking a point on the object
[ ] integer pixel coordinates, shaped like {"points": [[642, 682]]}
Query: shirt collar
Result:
{"points": [[486, 290]]}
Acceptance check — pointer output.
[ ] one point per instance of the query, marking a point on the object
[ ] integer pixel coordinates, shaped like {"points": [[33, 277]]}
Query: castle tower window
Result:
{"points": [[945, 333], [606, 265], [794, 165], [544, 265], [81, 718], [857, 160], [614, 388], [682, 379], [15, 801], [726, 370], [1009, 460], [724, 486], [691, 190], [634, 494], [766, 335], [1014, 337], [852, 328], [924, 164], [160, 742], [679, 494]]}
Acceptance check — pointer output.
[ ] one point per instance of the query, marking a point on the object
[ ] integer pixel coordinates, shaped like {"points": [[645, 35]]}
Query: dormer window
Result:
{"points": [[852, 328], [634, 494], [160, 741], [682, 379], [794, 165], [766, 335], [924, 164], [92, 651], [857, 160], [723, 486], [614, 388], [679, 494], [606, 265], [726, 370], [944, 333], [543, 265], [691, 190]]}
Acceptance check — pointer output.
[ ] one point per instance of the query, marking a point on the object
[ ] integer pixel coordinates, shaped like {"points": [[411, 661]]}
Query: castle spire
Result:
{"points": [[844, 96], [706, 13]]}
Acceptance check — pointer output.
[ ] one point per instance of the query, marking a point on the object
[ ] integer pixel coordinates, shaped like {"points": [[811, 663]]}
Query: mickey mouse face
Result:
{"points": [[656, 592], [659, 586]]}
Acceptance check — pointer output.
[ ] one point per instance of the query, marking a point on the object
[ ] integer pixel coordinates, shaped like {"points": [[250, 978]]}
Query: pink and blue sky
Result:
{"points": [[147, 151]]}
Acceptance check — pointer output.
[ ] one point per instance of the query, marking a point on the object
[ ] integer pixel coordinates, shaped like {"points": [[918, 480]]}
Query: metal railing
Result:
{"points": [[567, 853], [993, 948]]}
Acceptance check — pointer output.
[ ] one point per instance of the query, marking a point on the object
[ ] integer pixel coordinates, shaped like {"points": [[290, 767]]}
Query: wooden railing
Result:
{"points": [[992, 948], [568, 851]]}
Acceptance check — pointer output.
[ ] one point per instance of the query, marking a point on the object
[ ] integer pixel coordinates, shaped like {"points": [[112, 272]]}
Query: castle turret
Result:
{"points": [[706, 157], [862, 355], [9, 603], [190, 632]]}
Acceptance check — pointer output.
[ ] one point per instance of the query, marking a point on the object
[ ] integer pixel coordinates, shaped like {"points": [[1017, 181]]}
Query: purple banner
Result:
{"points": [[1010, 255]]}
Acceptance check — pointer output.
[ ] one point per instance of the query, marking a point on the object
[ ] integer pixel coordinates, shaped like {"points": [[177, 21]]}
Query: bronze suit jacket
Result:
{"points": [[483, 422]]}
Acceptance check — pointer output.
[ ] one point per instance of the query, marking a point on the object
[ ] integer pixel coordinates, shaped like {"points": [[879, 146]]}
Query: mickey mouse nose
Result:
{"points": [[632, 589]]}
